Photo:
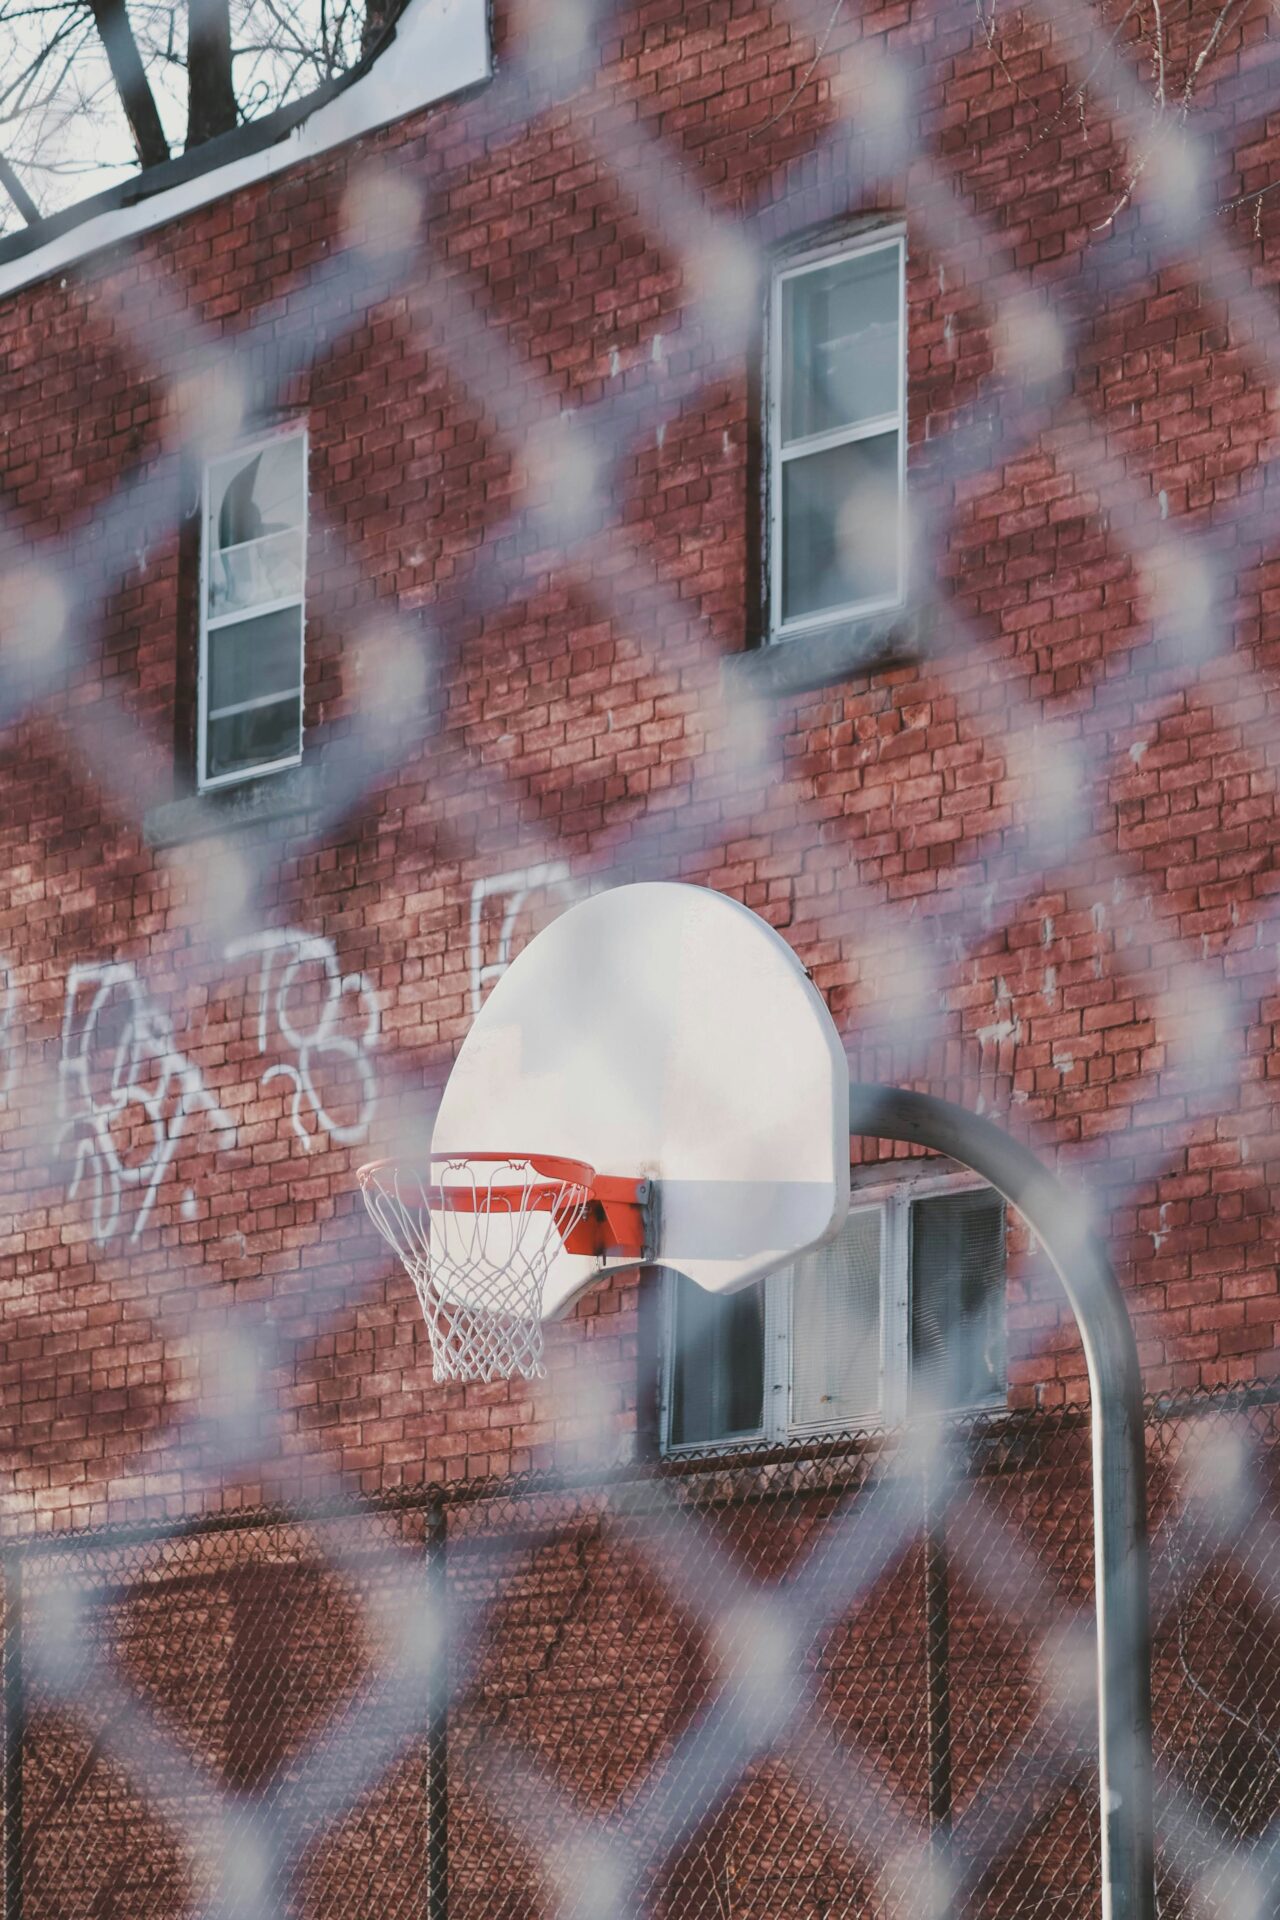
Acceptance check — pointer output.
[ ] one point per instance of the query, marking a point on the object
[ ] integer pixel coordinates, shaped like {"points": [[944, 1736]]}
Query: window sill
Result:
{"points": [[276, 796], [990, 1435], [748, 1445], [792, 1441], [826, 655]]}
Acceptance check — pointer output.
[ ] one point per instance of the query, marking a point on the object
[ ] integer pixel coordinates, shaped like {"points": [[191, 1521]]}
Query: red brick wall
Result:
{"points": [[571, 712], [250, 1662]]}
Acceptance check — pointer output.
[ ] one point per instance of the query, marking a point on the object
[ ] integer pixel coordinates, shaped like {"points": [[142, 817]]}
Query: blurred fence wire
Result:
{"points": [[852, 1678], [856, 1680]]}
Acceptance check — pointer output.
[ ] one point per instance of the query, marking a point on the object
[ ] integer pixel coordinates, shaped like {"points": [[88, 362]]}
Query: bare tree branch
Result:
{"points": [[1219, 28], [97, 85], [211, 100], [21, 83], [1159, 51], [131, 80], [288, 33], [17, 193], [379, 18]]}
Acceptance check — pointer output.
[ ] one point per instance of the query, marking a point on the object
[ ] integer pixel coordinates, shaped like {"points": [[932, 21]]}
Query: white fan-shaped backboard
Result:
{"points": [[667, 1032]]}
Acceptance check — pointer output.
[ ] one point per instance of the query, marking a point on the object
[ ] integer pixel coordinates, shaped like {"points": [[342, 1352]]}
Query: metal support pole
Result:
{"points": [[15, 1726], [437, 1781], [1119, 1461]]}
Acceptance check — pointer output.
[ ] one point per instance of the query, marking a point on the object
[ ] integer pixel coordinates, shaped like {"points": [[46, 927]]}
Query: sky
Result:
{"points": [[62, 129]]}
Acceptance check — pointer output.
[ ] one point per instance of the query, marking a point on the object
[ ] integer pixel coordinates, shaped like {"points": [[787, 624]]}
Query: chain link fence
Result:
{"points": [[850, 1679], [856, 1680]]}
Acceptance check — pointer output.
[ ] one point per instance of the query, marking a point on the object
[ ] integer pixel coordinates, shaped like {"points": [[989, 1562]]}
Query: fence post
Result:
{"points": [[1123, 1607], [937, 1632], [437, 1782], [15, 1726]]}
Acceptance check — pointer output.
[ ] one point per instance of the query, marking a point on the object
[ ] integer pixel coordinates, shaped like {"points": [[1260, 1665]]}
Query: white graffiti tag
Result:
{"points": [[118, 1054], [509, 892], [286, 954]]}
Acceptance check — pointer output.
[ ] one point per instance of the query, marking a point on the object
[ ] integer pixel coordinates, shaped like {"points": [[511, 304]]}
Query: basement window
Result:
{"points": [[904, 1309], [252, 575]]}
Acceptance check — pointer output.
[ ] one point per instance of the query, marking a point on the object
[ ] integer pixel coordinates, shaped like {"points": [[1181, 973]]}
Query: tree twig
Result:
{"points": [[17, 193]]}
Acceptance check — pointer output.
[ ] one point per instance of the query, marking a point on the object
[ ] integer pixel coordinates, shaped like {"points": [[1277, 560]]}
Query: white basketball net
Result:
{"points": [[477, 1236]]}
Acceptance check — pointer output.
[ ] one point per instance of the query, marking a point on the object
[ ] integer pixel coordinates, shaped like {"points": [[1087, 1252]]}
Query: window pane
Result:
{"points": [[256, 508], [835, 1327], [841, 526], [256, 738], [717, 1374], [254, 658], [252, 494], [250, 576], [957, 1299], [840, 349]]}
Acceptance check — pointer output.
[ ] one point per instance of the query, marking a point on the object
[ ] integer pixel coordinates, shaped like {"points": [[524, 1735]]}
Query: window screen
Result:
{"points": [[835, 1327], [717, 1370], [957, 1299]]}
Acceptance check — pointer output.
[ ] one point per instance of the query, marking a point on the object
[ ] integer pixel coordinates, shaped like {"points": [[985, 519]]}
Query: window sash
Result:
{"points": [[261, 540], [705, 1383], [251, 769], [838, 437], [249, 706], [239, 616], [221, 621], [895, 1202], [874, 1413], [781, 451], [957, 1208]]}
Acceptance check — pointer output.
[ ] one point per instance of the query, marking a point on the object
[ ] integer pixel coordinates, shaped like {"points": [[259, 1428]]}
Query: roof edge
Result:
{"points": [[435, 49]]}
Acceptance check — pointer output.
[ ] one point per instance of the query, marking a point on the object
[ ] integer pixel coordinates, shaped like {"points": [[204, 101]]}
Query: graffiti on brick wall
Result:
{"points": [[125, 1093], [497, 904], [327, 1020]]}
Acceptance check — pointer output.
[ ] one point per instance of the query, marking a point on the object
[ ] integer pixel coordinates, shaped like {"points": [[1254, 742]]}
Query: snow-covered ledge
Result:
{"points": [[439, 47]]}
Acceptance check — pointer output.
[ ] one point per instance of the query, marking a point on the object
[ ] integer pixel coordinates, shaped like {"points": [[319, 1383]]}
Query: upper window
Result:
{"points": [[837, 439], [253, 565], [906, 1307]]}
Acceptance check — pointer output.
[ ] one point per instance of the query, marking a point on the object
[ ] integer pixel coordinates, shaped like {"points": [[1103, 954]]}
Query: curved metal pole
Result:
{"points": [[1119, 1461]]}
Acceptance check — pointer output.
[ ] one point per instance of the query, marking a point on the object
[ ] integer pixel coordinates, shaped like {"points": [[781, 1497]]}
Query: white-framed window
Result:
{"points": [[906, 1306], [837, 434], [253, 561]]}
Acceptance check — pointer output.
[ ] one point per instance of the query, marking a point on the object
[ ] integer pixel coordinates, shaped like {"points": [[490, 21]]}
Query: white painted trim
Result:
{"points": [[243, 775], [241, 614], [441, 46], [253, 706], [879, 428]]}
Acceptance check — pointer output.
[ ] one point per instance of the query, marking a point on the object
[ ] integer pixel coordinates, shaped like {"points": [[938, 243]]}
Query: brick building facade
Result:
{"points": [[1018, 824], [527, 365]]}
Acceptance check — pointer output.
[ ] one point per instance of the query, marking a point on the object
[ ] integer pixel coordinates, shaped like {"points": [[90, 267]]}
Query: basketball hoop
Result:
{"points": [[477, 1232]]}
